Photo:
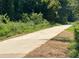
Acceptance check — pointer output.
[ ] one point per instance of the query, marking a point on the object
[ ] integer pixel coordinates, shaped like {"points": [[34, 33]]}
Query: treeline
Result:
{"points": [[53, 10]]}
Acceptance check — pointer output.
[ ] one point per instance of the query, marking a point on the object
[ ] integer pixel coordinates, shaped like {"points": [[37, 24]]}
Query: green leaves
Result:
{"points": [[74, 45], [52, 10], [4, 19]]}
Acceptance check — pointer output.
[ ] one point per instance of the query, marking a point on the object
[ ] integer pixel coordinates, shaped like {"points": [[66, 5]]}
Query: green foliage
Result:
{"points": [[37, 18], [11, 28], [71, 29], [74, 46], [74, 5], [25, 17], [52, 10], [73, 53], [34, 18], [74, 24], [4, 18]]}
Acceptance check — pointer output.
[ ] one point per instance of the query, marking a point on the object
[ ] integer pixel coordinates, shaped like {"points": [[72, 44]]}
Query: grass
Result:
{"points": [[71, 29], [15, 28], [74, 24]]}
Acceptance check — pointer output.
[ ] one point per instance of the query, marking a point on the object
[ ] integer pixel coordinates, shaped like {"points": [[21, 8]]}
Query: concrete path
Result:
{"points": [[20, 46]]}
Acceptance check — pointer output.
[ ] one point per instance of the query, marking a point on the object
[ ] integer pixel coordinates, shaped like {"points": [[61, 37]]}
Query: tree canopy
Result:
{"points": [[52, 10]]}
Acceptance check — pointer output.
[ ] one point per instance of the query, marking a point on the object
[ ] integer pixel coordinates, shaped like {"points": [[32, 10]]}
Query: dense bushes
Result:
{"points": [[4, 19], [74, 45], [28, 24], [34, 18]]}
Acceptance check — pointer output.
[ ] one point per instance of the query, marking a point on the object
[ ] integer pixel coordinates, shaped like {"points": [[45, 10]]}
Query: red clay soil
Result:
{"points": [[52, 49]]}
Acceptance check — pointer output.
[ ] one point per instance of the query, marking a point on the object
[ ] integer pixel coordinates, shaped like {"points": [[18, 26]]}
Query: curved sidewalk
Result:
{"points": [[20, 46]]}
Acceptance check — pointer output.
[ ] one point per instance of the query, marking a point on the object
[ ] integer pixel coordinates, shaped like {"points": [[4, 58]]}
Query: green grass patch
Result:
{"points": [[71, 29]]}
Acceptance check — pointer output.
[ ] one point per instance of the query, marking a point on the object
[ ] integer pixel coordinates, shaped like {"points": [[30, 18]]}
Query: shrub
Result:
{"points": [[25, 17], [4, 19], [75, 43], [34, 18], [73, 53], [37, 18], [29, 23]]}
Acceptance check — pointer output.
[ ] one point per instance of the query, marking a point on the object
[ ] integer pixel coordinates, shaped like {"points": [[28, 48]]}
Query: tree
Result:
{"points": [[63, 12], [52, 10]]}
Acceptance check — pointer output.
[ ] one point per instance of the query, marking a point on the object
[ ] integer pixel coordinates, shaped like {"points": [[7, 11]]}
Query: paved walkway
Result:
{"points": [[20, 46]]}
